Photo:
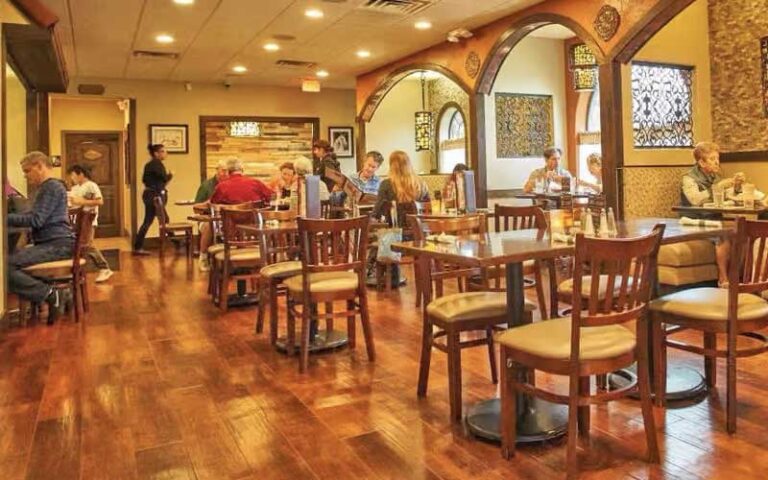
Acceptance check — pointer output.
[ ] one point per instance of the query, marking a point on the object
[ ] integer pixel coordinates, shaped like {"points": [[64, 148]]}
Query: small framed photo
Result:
{"points": [[173, 137], [342, 140]]}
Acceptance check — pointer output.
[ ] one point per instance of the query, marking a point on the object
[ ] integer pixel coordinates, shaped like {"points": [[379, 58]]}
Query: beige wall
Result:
{"points": [[169, 102], [73, 114], [392, 126], [16, 128], [684, 41], [534, 66]]}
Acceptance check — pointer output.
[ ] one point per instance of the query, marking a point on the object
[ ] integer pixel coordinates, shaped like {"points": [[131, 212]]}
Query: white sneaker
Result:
{"points": [[104, 275], [204, 265]]}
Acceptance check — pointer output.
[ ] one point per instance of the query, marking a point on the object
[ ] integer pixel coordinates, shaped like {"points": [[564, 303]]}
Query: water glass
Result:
{"points": [[748, 190], [718, 196]]}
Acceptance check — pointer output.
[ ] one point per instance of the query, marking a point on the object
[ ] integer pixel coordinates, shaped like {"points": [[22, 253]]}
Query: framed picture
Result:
{"points": [[173, 137], [342, 140]]}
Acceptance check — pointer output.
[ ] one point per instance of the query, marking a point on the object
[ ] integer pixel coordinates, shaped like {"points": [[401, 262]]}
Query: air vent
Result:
{"points": [[90, 89], [150, 54], [283, 37], [397, 7], [296, 64]]}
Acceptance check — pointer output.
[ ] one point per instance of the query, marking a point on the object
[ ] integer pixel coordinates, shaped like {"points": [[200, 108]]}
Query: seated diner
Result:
{"points": [[550, 175]]}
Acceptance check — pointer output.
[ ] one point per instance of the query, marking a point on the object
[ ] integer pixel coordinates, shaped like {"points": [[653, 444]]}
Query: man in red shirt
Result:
{"points": [[240, 189]]}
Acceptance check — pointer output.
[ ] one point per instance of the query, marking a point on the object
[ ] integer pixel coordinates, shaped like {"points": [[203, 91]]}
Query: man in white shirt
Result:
{"points": [[87, 194]]}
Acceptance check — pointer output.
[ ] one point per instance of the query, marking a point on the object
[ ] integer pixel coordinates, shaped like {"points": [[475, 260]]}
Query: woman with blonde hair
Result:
{"points": [[402, 185]]}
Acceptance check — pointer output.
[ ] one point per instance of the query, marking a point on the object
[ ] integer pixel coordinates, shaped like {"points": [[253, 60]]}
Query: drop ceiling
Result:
{"points": [[211, 36]]}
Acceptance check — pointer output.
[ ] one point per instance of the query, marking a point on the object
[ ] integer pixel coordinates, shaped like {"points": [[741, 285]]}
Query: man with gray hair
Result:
{"points": [[51, 233], [239, 188], [208, 186]]}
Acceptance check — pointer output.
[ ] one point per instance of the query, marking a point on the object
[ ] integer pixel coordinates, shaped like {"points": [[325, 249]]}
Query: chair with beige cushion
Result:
{"points": [[687, 263], [333, 263], [738, 310], [240, 260], [280, 252], [476, 312], [593, 341], [69, 274]]}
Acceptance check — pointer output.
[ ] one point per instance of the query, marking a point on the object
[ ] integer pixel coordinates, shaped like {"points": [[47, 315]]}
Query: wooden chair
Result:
{"points": [[167, 230], [279, 252], [69, 274], [240, 260], [510, 218], [738, 310], [457, 313], [217, 246], [333, 256], [591, 342]]}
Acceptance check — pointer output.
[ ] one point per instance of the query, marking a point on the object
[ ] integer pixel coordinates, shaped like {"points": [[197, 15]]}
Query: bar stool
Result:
{"points": [[454, 314], [590, 342], [333, 259], [738, 310]]}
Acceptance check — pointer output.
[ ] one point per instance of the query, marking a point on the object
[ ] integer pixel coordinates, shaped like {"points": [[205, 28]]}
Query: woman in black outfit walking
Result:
{"points": [[155, 179]]}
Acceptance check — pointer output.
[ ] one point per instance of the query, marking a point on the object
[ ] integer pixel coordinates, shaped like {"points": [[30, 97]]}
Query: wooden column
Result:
{"points": [[38, 128], [477, 158], [612, 134]]}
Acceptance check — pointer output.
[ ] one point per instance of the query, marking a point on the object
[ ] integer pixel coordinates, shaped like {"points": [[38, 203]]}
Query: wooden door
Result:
{"points": [[100, 151]]}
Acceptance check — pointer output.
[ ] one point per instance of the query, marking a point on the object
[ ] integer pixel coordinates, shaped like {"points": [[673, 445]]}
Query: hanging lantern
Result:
{"points": [[423, 122], [583, 66]]}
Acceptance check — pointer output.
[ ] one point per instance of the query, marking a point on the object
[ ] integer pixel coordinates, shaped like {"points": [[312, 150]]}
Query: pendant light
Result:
{"points": [[423, 121]]}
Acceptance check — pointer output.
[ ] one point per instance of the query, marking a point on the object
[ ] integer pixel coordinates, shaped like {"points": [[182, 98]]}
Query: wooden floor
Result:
{"points": [[155, 383]]}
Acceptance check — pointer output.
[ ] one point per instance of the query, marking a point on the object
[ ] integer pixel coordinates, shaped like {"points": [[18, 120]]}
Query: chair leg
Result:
{"points": [[224, 289], [553, 300], [659, 361], [273, 318], [454, 375], [190, 255], [263, 300], [584, 410], [540, 293], [365, 319], [601, 381], [492, 356], [290, 334], [84, 292], [329, 320], [76, 303], [710, 362], [572, 460], [304, 347], [508, 406], [426, 357], [351, 327], [731, 386], [644, 383]]}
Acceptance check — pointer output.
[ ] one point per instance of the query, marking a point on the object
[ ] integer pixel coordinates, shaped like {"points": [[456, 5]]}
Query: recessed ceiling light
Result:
{"points": [[164, 38], [322, 73], [363, 53], [184, 2], [239, 69], [314, 13], [423, 25], [271, 47]]}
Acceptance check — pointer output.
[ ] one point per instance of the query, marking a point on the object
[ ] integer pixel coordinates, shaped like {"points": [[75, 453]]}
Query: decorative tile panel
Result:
{"points": [[524, 125]]}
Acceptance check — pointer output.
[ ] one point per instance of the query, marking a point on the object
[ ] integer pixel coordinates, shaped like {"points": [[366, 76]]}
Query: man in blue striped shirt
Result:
{"points": [[51, 233]]}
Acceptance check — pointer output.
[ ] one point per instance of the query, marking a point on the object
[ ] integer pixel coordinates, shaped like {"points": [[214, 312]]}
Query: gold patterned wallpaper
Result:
{"points": [[652, 191], [524, 125], [739, 120]]}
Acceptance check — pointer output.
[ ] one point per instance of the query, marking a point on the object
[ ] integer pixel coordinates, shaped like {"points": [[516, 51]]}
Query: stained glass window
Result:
{"points": [[764, 55], [662, 105], [243, 129]]}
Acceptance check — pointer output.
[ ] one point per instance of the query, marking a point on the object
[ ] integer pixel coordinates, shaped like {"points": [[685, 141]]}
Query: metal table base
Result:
{"points": [[538, 421], [683, 383], [322, 342]]}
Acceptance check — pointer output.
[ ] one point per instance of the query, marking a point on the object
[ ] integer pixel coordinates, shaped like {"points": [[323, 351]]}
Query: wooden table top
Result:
{"points": [[185, 203], [202, 218], [736, 210], [291, 226], [555, 195], [521, 245]]}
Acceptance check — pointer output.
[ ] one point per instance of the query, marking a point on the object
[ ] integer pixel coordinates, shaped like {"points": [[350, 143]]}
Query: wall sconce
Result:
{"points": [[423, 122]]}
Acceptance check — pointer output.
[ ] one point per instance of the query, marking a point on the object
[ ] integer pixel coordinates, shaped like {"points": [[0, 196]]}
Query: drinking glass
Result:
{"points": [[748, 190], [718, 196]]}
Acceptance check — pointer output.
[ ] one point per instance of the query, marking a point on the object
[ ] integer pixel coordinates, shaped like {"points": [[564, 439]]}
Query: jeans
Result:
{"points": [[27, 286], [149, 215], [94, 253]]}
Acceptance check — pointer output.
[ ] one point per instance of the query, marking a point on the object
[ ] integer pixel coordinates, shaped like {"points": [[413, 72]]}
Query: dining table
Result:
{"points": [[555, 197], [185, 203], [538, 420], [721, 211]]}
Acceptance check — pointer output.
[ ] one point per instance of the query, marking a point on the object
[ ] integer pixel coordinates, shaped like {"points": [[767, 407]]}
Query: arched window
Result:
{"points": [[451, 139]]}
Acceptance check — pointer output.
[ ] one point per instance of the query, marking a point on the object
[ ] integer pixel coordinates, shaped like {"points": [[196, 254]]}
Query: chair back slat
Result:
{"points": [[508, 217], [278, 245], [231, 218], [333, 245], [620, 274], [748, 268], [435, 225]]}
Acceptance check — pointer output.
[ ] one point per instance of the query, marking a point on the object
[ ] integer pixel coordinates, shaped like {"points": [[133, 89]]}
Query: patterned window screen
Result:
{"points": [[662, 105]]}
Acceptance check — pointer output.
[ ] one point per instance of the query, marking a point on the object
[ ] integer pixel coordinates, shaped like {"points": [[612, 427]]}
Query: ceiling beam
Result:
{"points": [[36, 12]]}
